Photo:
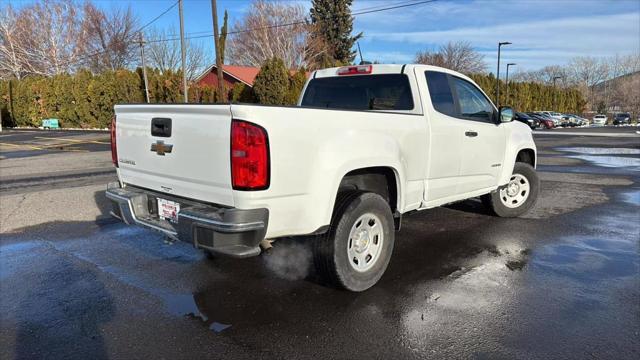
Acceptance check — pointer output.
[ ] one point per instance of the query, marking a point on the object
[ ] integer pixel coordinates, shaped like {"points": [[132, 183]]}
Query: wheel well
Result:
{"points": [[526, 156], [380, 180]]}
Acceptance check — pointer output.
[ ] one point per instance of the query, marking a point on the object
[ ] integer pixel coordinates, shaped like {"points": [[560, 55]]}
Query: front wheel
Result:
{"points": [[518, 196], [356, 250]]}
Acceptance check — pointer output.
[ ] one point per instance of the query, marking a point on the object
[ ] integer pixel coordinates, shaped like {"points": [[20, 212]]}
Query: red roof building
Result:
{"points": [[231, 74]]}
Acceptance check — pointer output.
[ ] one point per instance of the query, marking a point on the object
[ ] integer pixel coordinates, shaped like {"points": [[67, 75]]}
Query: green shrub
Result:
{"points": [[296, 83], [272, 82]]}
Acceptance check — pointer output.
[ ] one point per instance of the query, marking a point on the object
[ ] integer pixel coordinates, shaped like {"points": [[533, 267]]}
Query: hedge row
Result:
{"points": [[86, 100], [530, 96]]}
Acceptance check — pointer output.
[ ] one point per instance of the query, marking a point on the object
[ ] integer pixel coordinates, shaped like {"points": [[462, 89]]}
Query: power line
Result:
{"points": [[393, 7], [158, 17], [363, 11], [208, 32], [130, 38]]}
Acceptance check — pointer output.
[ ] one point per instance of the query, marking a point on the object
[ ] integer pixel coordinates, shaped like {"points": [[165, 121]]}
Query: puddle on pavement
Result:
{"points": [[600, 151], [611, 161], [606, 157], [183, 305], [631, 197], [218, 327]]}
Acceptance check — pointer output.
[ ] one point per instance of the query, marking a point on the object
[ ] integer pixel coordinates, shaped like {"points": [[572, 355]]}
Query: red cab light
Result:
{"points": [[355, 70], [114, 150], [249, 156]]}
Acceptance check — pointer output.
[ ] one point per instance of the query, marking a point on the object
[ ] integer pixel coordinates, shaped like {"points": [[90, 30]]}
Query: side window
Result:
{"points": [[440, 92], [473, 104]]}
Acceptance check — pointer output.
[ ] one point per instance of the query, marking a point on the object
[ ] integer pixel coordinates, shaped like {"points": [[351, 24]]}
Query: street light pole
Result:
{"points": [[507, 80], [182, 53], [555, 103], [498, 74]]}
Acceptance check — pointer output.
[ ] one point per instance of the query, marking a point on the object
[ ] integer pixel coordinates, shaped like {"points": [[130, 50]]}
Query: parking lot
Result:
{"points": [[561, 282]]}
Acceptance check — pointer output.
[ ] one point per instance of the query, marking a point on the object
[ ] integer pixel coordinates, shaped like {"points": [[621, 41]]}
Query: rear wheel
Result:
{"points": [[518, 196], [356, 250]]}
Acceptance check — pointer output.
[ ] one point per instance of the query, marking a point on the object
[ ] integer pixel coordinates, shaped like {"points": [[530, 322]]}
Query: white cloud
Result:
{"points": [[388, 57], [538, 42]]}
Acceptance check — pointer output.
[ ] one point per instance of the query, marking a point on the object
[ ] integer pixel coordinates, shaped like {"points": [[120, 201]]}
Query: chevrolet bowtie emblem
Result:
{"points": [[161, 148]]}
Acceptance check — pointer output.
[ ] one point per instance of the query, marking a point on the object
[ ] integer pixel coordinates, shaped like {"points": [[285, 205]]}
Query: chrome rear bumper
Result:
{"points": [[222, 230]]}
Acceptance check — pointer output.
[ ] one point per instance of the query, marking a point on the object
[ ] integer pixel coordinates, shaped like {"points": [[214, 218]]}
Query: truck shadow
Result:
{"points": [[104, 206]]}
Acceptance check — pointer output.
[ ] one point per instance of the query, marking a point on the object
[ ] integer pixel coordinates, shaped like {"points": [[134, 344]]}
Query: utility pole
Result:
{"points": [[498, 74], [507, 81], [182, 53], [214, 13], [360, 52], [144, 69]]}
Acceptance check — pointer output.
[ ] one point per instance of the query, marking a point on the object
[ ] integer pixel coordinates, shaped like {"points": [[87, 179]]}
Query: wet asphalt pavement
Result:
{"points": [[562, 282]]}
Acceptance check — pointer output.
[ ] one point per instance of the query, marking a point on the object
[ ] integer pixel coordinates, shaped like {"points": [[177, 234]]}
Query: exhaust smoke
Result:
{"points": [[289, 259]]}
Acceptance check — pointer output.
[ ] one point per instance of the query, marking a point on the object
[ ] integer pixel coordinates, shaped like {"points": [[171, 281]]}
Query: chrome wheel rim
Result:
{"points": [[365, 242], [516, 192]]}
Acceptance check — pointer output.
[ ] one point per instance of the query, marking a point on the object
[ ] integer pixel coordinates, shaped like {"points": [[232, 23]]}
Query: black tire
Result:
{"points": [[494, 203], [330, 252]]}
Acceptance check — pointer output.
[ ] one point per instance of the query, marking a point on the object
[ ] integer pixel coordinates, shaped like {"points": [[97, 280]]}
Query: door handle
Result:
{"points": [[161, 127], [471, 133]]}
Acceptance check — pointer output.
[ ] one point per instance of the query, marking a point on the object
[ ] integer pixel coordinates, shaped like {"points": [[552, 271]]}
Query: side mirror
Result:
{"points": [[506, 114]]}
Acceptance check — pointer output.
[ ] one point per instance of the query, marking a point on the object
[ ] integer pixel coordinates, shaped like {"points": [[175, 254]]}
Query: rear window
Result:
{"points": [[361, 92]]}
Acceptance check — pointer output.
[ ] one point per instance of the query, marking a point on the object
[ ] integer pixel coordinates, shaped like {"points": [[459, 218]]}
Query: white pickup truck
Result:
{"points": [[364, 145]]}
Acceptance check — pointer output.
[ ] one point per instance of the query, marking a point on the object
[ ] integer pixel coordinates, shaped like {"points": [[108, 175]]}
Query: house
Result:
{"points": [[231, 74]]}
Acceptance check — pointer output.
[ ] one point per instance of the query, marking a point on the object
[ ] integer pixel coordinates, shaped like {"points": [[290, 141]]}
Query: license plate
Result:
{"points": [[168, 210]]}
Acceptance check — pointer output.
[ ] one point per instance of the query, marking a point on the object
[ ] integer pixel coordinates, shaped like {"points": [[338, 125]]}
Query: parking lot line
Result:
{"points": [[74, 140], [47, 147], [22, 145]]}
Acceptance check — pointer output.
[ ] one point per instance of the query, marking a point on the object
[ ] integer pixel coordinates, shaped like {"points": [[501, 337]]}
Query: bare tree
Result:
{"points": [[13, 55], [110, 37], [317, 51], [458, 56], [627, 95], [544, 75], [260, 35], [585, 72], [43, 38], [163, 53]]}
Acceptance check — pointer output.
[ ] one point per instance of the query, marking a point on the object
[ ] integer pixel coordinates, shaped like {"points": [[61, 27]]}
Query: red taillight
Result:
{"points": [[355, 70], [249, 156], [114, 150]]}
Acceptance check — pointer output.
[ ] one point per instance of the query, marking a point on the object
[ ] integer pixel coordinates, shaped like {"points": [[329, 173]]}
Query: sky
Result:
{"points": [[543, 32]]}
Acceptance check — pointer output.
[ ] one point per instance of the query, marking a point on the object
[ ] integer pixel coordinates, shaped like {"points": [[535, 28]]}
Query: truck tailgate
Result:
{"points": [[191, 160]]}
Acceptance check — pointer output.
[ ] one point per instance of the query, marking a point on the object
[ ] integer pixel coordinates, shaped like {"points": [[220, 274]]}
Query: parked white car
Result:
{"points": [[599, 120], [365, 145]]}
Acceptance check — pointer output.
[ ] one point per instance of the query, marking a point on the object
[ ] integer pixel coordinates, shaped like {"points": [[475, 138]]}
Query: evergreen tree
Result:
{"points": [[333, 24], [242, 93], [272, 82], [296, 83], [222, 37]]}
